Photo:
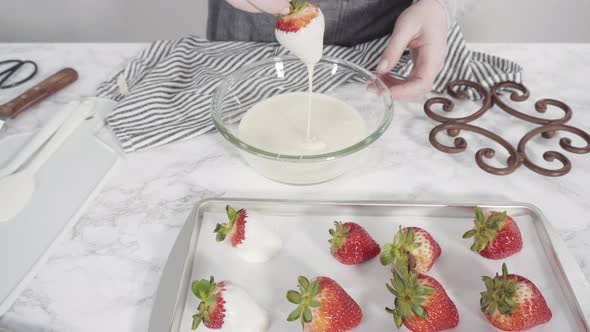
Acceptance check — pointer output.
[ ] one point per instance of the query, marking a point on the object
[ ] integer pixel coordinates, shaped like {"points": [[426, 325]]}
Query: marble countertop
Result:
{"points": [[105, 271]]}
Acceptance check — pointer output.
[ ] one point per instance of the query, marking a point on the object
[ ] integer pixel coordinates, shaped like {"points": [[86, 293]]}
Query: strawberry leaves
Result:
{"points": [[398, 252], [231, 213], [305, 300], [339, 234], [206, 291], [297, 6], [499, 293], [409, 296], [485, 230], [221, 230]]}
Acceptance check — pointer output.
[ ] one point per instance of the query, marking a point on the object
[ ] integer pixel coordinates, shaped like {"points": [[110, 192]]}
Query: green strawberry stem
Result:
{"points": [[398, 252], [339, 234], [223, 229], [499, 293], [409, 296], [485, 230], [206, 291], [305, 300], [297, 6]]}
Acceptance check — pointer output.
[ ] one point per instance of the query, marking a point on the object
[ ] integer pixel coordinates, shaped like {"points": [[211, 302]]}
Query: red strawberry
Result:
{"points": [[413, 248], [351, 244], [323, 306], [496, 235], [235, 228], [211, 310], [421, 303], [301, 14], [513, 303]]}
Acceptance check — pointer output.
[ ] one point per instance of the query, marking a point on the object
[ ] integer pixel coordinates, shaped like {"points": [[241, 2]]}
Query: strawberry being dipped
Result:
{"points": [[496, 235], [302, 31], [513, 303], [421, 303], [351, 244], [323, 306], [227, 308], [245, 233], [413, 248]]}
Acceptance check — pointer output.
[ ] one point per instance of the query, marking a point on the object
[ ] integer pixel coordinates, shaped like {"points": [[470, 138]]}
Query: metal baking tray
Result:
{"points": [[544, 260]]}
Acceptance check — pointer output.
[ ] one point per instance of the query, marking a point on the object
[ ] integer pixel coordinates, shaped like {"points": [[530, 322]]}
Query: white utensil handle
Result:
{"points": [[76, 117], [38, 139]]}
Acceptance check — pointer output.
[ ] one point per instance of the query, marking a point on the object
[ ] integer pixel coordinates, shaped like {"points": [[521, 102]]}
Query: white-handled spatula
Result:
{"points": [[16, 189]]}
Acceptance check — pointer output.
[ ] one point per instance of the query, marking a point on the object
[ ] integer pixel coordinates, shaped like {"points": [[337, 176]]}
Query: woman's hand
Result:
{"points": [[423, 29], [274, 7]]}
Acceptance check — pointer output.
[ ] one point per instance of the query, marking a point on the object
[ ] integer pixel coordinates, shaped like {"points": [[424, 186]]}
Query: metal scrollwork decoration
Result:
{"points": [[454, 89], [516, 156]]}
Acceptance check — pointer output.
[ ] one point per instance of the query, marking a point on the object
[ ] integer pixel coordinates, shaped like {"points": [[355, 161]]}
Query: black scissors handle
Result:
{"points": [[7, 73]]}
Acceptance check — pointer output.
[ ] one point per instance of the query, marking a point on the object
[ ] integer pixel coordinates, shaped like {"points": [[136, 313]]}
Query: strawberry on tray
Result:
{"points": [[323, 306], [413, 249], [352, 244], [513, 303], [421, 303], [226, 306], [496, 235], [253, 242]]}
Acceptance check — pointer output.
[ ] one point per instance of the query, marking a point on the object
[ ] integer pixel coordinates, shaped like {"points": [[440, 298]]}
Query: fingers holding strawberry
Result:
{"points": [[496, 235], [413, 249], [323, 306], [352, 244], [513, 303]]}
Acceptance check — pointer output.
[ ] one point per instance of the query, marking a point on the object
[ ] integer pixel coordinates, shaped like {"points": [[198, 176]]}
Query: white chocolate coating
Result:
{"points": [[260, 243], [308, 43], [242, 313]]}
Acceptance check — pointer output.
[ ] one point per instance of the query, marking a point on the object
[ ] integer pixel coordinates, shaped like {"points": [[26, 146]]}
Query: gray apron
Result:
{"points": [[348, 22]]}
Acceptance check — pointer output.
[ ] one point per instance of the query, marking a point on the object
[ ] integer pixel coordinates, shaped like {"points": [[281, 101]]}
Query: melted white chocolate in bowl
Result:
{"points": [[279, 124]]}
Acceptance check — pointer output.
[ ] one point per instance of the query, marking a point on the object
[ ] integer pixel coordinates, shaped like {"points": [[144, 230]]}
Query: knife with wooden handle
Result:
{"points": [[36, 94]]}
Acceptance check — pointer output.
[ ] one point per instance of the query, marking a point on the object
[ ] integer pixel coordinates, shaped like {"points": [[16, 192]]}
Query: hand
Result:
{"points": [[423, 29], [274, 7]]}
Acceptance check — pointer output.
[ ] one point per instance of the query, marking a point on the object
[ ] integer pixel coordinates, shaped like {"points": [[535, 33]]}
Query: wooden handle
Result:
{"points": [[46, 88]]}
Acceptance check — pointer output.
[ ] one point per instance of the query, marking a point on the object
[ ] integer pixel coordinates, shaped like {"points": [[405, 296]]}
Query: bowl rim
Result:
{"points": [[371, 138]]}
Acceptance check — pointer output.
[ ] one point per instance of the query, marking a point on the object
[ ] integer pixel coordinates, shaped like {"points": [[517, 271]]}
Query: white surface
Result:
{"points": [[306, 43], [306, 252], [16, 189], [15, 159], [43, 21], [73, 164], [104, 273]]}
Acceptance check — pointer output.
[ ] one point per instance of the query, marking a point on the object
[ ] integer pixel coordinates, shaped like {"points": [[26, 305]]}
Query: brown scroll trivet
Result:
{"points": [[517, 156]]}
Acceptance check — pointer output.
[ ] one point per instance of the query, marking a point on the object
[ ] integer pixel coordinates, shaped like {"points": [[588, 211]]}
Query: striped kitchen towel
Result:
{"points": [[164, 94]]}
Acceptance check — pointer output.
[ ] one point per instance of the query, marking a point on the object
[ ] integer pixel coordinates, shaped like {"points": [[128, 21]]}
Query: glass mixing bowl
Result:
{"points": [[350, 83]]}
